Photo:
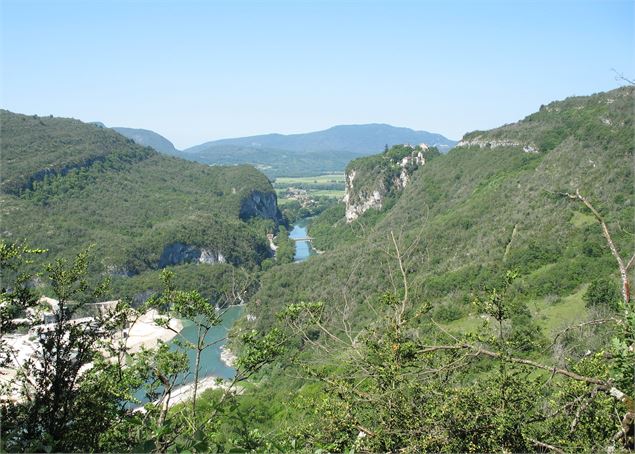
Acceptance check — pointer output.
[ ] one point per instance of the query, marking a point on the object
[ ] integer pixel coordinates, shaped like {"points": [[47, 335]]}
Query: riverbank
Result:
{"points": [[185, 393], [227, 356], [146, 333]]}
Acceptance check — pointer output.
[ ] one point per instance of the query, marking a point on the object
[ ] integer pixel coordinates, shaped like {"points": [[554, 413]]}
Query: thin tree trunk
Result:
{"points": [[199, 348], [165, 406], [196, 372], [626, 290]]}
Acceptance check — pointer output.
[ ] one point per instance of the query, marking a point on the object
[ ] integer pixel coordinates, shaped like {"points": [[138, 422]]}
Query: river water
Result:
{"points": [[303, 249], [211, 363]]}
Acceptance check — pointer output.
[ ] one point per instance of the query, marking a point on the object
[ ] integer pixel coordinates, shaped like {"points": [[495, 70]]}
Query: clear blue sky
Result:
{"points": [[196, 71]]}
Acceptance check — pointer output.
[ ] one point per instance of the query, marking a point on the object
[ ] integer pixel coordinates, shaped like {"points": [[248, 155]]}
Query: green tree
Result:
{"points": [[286, 247], [602, 293], [191, 306], [17, 296], [58, 407]]}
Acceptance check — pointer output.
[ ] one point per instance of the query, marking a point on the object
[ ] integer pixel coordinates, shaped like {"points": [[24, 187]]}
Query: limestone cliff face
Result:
{"points": [[179, 253], [260, 204], [369, 180], [359, 201]]}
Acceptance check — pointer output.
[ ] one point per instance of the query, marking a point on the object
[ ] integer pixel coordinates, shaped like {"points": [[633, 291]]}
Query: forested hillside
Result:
{"points": [[489, 205], [430, 322], [67, 185]]}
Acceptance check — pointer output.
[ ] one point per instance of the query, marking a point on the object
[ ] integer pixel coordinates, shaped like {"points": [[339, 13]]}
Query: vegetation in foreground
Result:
{"points": [[76, 392]]}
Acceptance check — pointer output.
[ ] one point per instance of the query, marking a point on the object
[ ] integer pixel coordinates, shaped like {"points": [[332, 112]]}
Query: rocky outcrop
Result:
{"points": [[409, 164], [260, 204], [366, 202], [391, 175], [26, 182], [179, 253]]}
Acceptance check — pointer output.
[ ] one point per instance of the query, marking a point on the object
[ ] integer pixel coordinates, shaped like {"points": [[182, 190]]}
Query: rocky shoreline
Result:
{"points": [[227, 356]]}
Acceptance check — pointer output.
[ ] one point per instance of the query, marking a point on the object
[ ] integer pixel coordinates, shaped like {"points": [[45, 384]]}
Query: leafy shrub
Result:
{"points": [[449, 312], [602, 293]]}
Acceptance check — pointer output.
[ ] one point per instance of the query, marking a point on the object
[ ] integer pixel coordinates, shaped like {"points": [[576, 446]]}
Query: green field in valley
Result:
{"points": [[330, 185], [328, 178]]}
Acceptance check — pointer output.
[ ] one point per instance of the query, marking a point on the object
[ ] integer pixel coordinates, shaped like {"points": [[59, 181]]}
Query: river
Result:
{"points": [[303, 249], [211, 362]]}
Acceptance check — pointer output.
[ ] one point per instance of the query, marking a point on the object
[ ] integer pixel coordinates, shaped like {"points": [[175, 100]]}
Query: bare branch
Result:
{"points": [[581, 325], [547, 446], [620, 77], [404, 276], [604, 385], [626, 292]]}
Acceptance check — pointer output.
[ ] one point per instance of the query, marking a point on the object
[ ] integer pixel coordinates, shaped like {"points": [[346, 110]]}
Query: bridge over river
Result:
{"points": [[302, 238]]}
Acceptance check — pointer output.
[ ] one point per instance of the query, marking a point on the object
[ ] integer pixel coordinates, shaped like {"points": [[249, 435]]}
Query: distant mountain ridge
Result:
{"points": [[362, 139], [302, 154], [311, 153], [149, 138]]}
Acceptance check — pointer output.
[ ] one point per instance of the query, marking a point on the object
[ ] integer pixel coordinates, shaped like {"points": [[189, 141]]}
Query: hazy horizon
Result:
{"points": [[197, 71]]}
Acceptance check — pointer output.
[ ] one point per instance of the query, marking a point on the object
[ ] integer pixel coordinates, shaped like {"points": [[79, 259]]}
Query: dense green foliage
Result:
{"points": [[602, 293], [219, 283], [286, 247], [67, 184]]}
